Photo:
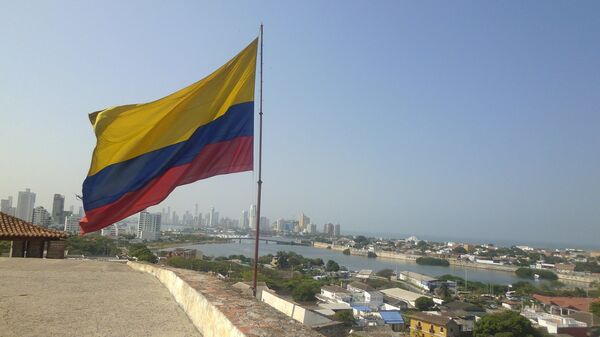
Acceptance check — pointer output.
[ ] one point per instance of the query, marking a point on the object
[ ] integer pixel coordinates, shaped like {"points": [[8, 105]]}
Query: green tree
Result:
{"points": [[344, 316], [443, 292], [387, 273], [505, 324], [595, 308], [306, 290], [346, 251], [424, 303], [332, 266], [142, 253], [460, 250]]}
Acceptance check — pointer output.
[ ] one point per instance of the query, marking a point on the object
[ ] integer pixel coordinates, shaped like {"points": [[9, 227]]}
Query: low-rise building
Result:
{"points": [[430, 325], [405, 296], [422, 281], [335, 294]]}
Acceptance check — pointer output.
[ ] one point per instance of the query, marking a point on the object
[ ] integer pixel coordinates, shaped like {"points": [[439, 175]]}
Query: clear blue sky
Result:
{"points": [[467, 119]]}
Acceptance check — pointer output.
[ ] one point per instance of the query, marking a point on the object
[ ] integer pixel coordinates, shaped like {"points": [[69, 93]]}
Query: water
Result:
{"points": [[352, 262]]}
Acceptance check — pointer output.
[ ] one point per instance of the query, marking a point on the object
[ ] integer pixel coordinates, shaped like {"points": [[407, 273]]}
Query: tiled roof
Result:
{"points": [[577, 303], [429, 318], [12, 228]]}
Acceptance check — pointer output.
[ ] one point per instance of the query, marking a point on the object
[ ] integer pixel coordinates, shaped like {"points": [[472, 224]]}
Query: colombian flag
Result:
{"points": [[144, 151]]}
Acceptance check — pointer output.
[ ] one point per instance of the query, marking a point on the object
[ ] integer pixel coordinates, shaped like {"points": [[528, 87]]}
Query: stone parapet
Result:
{"points": [[218, 310]]}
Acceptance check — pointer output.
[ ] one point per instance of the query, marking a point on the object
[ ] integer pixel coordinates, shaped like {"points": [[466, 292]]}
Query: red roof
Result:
{"points": [[575, 303], [15, 228]]}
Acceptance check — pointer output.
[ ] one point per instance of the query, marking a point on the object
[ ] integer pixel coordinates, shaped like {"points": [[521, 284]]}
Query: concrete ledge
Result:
{"points": [[218, 310]]}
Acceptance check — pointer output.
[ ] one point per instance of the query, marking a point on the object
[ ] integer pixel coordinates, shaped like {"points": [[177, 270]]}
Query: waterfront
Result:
{"points": [[246, 247]]}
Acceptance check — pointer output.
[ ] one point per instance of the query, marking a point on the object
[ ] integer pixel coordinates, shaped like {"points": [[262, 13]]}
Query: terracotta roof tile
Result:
{"points": [[577, 303], [12, 227]]}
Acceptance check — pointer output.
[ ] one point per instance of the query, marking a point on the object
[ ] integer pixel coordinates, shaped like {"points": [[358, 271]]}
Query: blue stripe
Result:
{"points": [[112, 182]]}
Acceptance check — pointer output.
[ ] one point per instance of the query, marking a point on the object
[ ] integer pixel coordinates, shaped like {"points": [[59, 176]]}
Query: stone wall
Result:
{"points": [[218, 310]]}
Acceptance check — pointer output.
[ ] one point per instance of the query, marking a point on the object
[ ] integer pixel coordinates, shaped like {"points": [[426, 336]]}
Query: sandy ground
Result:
{"points": [[85, 298]]}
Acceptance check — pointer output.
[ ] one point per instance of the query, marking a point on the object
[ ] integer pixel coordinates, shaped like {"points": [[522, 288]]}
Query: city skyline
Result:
{"points": [[400, 119]]}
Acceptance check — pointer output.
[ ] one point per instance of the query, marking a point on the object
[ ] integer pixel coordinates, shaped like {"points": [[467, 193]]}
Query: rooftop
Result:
{"points": [[402, 294], [72, 298], [14, 228], [430, 318], [576, 303], [417, 276], [335, 289]]}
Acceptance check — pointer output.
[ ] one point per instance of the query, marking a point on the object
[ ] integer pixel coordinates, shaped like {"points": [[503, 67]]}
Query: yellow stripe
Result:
{"points": [[127, 131]]}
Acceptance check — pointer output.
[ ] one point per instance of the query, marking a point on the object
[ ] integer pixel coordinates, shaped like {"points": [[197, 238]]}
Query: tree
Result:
{"points": [[505, 324], [332, 266], [424, 303], [344, 316], [306, 290], [346, 251], [387, 273], [595, 308], [142, 253], [443, 291], [460, 250]]}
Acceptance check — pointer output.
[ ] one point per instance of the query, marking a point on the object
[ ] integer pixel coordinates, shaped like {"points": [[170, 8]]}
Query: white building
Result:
{"points": [[335, 294], [7, 207], [149, 226], [312, 228], [303, 221], [406, 296], [420, 280], [72, 224], [244, 222], [365, 295], [41, 217], [25, 204], [252, 216]]}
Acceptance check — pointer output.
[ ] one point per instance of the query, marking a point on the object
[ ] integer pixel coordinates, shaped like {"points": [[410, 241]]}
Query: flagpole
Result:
{"points": [[260, 120]]}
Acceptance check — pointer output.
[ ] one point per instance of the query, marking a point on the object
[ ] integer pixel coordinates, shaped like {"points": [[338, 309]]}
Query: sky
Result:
{"points": [[463, 119]]}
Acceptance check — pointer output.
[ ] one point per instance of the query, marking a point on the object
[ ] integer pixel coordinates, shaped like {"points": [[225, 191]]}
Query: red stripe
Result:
{"points": [[220, 158]]}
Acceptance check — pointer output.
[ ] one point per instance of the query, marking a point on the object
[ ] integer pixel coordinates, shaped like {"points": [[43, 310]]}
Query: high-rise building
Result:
{"points": [[211, 218], [312, 228], [25, 204], [244, 222], [80, 213], [58, 209], [328, 229], [149, 226], [72, 223], [252, 216], [264, 224], [304, 221], [280, 225], [6, 206], [336, 230], [41, 217]]}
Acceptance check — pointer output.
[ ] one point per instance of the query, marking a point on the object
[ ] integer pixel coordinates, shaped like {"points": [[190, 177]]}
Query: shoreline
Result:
{"points": [[580, 279]]}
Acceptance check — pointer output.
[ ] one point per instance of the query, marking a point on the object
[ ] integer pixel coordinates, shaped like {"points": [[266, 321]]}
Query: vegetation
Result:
{"points": [[371, 255], [225, 268], [4, 247], [474, 286], [459, 250], [93, 245], [332, 266], [344, 316], [142, 253], [346, 251], [592, 267], [505, 324], [287, 260], [305, 291], [424, 303], [595, 308], [387, 273], [443, 292], [529, 273], [432, 261]]}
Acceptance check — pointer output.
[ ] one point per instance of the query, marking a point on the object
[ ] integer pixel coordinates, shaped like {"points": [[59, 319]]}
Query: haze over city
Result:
{"points": [[419, 118]]}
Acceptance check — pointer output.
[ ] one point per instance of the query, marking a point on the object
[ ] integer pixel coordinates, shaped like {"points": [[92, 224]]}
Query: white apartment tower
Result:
{"points": [[149, 226], [252, 216], [25, 204]]}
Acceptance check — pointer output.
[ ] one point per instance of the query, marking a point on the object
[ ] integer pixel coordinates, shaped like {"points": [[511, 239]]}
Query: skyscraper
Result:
{"points": [[244, 222], [58, 209], [211, 218], [328, 229], [41, 217], [6, 206], [149, 226], [72, 223], [25, 204], [252, 216], [336, 230], [304, 221]]}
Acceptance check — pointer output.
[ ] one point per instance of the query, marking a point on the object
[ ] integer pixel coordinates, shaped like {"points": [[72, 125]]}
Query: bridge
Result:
{"points": [[266, 240]]}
